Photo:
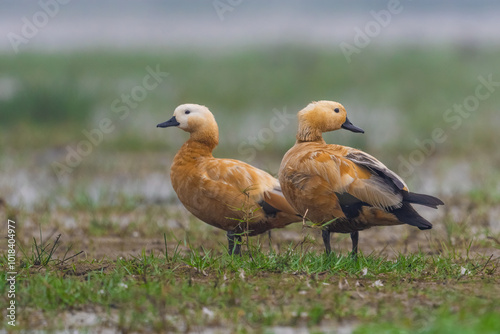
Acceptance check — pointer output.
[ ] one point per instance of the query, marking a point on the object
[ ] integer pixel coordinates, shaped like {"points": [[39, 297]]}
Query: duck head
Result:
{"points": [[197, 120], [323, 116]]}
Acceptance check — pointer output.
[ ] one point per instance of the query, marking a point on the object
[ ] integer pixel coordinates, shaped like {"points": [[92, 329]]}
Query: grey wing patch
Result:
{"points": [[376, 167], [277, 189]]}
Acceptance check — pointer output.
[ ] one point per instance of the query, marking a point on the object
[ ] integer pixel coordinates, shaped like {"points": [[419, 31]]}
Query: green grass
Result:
{"points": [[262, 289], [475, 318]]}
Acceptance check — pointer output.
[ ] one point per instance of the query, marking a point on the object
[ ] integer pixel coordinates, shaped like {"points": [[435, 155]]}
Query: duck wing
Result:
{"points": [[376, 167], [229, 178], [380, 170], [346, 173]]}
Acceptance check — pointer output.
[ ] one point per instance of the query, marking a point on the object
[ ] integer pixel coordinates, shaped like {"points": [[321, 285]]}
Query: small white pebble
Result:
{"points": [[378, 283], [302, 292], [135, 234], [242, 274], [210, 314], [324, 283]]}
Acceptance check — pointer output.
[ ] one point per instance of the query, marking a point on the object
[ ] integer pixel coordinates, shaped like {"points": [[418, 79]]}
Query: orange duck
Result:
{"points": [[225, 193], [344, 188]]}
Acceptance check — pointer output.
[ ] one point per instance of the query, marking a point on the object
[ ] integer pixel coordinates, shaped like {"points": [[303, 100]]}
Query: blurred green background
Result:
{"points": [[400, 94], [400, 89]]}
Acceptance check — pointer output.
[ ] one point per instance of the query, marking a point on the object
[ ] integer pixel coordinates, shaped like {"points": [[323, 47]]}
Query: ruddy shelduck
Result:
{"points": [[342, 188], [225, 193]]}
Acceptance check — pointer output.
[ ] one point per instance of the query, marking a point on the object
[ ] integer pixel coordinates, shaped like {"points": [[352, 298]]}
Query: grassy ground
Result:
{"points": [[141, 263], [145, 277], [130, 258]]}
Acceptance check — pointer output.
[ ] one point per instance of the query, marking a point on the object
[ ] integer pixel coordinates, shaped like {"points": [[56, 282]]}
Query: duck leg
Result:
{"points": [[234, 247], [354, 239], [326, 240]]}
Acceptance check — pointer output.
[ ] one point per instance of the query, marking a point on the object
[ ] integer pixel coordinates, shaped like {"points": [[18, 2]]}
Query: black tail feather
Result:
{"points": [[422, 199], [408, 215]]}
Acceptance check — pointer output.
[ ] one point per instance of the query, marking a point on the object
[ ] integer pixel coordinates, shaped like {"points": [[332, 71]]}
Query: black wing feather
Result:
{"points": [[422, 199], [350, 205], [408, 215]]}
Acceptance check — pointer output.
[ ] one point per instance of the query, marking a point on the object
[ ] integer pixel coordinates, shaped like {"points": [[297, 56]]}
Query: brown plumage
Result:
{"points": [[343, 185], [225, 193]]}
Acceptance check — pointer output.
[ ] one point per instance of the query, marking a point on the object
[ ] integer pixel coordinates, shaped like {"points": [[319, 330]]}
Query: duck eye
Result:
{"points": [[187, 112], [336, 110]]}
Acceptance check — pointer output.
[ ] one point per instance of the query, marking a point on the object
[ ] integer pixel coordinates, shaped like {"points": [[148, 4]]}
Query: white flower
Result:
{"points": [[464, 271], [364, 271], [101, 292], [122, 285]]}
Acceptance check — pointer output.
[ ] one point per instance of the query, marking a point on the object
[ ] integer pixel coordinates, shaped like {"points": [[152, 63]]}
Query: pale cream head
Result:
{"points": [[192, 117], [197, 120]]}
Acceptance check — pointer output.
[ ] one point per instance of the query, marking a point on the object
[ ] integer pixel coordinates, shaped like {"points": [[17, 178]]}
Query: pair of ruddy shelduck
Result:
{"points": [[340, 188]]}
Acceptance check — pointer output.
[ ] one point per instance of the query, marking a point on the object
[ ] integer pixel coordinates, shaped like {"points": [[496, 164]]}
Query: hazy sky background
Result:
{"points": [[172, 24]]}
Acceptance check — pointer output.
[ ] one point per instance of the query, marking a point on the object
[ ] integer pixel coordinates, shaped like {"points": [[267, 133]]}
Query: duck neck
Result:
{"points": [[204, 140], [193, 150], [307, 133]]}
